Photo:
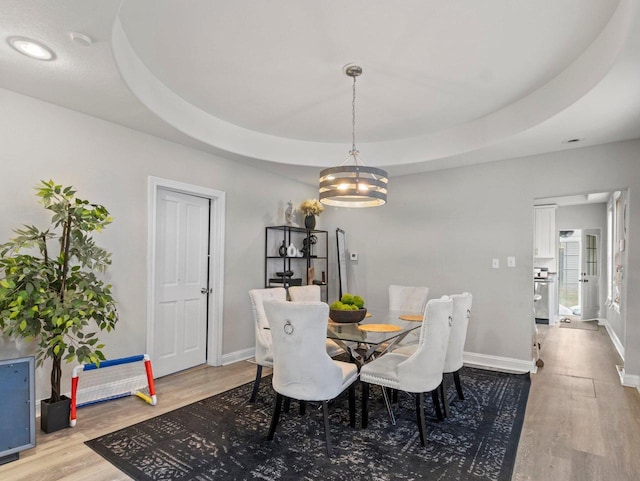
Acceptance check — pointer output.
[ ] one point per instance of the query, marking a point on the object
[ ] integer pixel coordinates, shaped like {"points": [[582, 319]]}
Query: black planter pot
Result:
{"points": [[310, 221], [54, 416]]}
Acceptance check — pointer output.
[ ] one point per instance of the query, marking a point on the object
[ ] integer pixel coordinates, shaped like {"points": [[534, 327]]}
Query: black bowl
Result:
{"points": [[284, 274], [346, 317]]}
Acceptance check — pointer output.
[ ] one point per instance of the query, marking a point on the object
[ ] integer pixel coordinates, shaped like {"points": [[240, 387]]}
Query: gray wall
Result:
{"points": [[109, 164], [439, 229]]}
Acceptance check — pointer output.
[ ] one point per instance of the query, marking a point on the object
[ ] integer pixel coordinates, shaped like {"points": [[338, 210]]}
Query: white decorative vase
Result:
{"points": [[292, 251]]}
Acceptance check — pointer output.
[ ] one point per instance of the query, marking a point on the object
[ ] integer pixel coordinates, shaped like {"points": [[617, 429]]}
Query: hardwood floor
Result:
{"points": [[580, 423]]}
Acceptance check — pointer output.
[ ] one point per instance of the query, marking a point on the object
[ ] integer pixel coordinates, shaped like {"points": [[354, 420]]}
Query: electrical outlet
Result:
{"points": [[495, 263], [511, 261]]}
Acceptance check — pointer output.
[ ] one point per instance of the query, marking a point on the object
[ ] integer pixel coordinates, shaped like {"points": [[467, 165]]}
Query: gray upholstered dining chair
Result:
{"points": [[263, 356], [302, 369], [312, 293], [420, 372]]}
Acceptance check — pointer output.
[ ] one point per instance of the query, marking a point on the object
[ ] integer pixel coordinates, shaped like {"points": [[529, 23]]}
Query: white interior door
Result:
{"points": [[180, 323], [590, 274]]}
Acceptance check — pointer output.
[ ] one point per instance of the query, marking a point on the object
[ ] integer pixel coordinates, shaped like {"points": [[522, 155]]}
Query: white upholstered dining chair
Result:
{"points": [[302, 369], [420, 372], [411, 299], [408, 300], [312, 294], [305, 293], [263, 356], [455, 350]]}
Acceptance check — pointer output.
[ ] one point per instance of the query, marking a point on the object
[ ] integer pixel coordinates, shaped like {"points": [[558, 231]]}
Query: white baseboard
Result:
{"points": [[497, 363], [236, 356], [628, 380], [613, 336]]}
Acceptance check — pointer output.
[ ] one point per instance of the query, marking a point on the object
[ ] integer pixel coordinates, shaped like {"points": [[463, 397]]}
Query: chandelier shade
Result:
{"points": [[355, 185]]}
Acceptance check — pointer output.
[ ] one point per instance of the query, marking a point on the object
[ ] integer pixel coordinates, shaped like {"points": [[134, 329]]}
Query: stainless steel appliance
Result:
{"points": [[543, 287]]}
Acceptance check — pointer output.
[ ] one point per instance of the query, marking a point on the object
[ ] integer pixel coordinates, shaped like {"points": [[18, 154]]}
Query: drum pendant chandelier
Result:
{"points": [[353, 185]]}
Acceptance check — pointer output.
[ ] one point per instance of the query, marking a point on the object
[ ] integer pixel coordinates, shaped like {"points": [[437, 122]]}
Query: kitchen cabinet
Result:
{"points": [[295, 256], [545, 232]]}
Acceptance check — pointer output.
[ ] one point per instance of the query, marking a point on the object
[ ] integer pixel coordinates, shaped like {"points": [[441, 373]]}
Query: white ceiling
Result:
{"points": [[444, 83]]}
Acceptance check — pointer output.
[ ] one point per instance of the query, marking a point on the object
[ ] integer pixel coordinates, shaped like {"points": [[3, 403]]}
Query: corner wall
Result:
{"points": [[109, 164]]}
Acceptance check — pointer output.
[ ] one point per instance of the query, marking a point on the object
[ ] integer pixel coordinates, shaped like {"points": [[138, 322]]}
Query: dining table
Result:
{"points": [[376, 334]]}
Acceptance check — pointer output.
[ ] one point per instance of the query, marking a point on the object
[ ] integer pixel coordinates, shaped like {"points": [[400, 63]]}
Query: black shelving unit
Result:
{"points": [[314, 255]]}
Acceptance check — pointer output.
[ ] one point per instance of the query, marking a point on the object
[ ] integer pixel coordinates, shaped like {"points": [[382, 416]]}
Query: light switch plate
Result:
{"points": [[353, 256], [495, 263], [511, 261]]}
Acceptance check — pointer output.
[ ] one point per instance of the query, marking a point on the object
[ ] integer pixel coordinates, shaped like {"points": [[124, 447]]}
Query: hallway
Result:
{"points": [[580, 424]]}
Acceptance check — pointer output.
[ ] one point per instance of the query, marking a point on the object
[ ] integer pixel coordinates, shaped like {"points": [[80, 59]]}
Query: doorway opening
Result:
{"points": [[578, 274]]}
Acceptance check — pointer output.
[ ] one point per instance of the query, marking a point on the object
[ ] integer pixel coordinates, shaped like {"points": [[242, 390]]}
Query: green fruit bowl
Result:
{"points": [[346, 317]]}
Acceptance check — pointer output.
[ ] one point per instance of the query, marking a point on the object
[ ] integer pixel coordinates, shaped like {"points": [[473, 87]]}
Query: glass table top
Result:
{"points": [[356, 332]]}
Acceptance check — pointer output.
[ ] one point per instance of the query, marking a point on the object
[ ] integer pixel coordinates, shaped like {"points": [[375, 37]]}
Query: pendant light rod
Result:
{"points": [[353, 71]]}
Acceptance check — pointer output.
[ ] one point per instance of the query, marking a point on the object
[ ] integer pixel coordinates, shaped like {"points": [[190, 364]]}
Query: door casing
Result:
{"points": [[216, 261]]}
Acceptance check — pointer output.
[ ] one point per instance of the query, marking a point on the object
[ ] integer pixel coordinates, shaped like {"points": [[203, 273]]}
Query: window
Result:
{"points": [[616, 230]]}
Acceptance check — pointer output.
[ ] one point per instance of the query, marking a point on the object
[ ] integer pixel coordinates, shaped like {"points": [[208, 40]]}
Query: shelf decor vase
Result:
{"points": [[282, 251], [292, 251], [310, 221]]}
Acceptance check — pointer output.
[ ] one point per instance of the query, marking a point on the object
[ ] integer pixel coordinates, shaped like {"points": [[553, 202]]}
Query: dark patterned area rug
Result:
{"points": [[223, 438]]}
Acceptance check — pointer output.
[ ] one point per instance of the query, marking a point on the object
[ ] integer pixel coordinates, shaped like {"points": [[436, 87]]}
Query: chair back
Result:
{"points": [[422, 371], [305, 293], [461, 316], [263, 336], [408, 298], [302, 369]]}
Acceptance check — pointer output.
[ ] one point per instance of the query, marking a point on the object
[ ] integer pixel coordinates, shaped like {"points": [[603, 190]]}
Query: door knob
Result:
{"points": [[204, 290]]}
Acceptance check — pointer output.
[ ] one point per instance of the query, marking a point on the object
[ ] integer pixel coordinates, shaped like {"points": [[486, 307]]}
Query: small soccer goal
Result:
{"points": [[113, 379]]}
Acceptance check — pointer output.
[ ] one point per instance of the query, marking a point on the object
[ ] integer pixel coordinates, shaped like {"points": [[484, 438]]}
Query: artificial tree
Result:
{"points": [[49, 290]]}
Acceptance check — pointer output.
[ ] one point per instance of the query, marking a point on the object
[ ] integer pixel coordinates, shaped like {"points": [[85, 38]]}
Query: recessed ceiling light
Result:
{"points": [[31, 48], [574, 140]]}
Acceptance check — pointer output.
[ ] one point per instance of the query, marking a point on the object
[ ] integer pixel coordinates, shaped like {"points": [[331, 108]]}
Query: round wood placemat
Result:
{"points": [[379, 327], [411, 317]]}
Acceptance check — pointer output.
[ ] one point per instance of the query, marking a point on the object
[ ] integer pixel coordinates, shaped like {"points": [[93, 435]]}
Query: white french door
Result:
{"points": [[589, 278], [181, 281]]}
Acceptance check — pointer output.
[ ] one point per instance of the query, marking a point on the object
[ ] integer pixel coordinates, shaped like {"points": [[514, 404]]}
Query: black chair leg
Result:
{"points": [[422, 425], [395, 395], [365, 404], [445, 401], [327, 431], [276, 416], [456, 380], [436, 404], [256, 384], [303, 407], [352, 405], [287, 404]]}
